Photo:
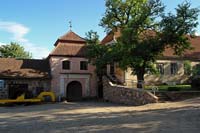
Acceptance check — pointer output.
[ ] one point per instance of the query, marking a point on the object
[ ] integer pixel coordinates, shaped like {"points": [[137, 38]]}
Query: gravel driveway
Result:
{"points": [[176, 117]]}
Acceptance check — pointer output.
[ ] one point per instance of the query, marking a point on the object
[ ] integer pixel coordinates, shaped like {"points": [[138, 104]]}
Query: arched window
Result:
{"points": [[66, 65]]}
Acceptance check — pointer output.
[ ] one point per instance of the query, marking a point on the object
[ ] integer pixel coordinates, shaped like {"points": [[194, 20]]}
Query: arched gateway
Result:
{"points": [[74, 91]]}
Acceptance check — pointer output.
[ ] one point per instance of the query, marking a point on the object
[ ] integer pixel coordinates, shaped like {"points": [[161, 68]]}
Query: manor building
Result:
{"points": [[171, 67], [68, 74]]}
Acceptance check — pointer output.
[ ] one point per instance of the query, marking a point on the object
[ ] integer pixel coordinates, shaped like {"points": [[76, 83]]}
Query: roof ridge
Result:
{"points": [[70, 31], [70, 37]]}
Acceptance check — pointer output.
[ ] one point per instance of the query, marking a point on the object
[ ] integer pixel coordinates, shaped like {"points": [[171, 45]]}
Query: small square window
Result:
{"points": [[83, 65], [66, 65]]}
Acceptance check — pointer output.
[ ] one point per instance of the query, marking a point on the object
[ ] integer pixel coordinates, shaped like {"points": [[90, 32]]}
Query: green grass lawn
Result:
{"points": [[171, 87]]}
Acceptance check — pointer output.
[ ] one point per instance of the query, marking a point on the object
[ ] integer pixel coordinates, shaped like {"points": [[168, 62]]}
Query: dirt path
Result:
{"points": [[174, 117]]}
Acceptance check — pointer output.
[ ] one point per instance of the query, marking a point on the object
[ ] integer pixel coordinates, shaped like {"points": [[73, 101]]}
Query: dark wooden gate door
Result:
{"points": [[74, 91], [16, 90]]}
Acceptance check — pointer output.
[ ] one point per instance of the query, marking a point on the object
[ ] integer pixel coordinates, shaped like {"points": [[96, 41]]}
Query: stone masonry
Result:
{"points": [[128, 96], [3, 94]]}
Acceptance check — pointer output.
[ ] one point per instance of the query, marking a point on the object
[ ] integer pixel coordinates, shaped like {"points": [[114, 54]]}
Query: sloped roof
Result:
{"points": [[71, 45], [70, 37], [11, 68], [190, 54], [110, 36], [69, 49], [193, 54]]}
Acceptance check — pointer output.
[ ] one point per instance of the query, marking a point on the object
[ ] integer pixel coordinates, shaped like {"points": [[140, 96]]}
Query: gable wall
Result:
{"points": [[59, 74]]}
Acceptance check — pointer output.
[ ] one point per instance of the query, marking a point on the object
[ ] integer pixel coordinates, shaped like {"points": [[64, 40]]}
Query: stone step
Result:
{"points": [[162, 97], [114, 79]]}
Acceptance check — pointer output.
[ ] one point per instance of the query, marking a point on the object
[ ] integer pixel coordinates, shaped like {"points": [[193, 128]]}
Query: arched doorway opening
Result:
{"points": [[74, 91]]}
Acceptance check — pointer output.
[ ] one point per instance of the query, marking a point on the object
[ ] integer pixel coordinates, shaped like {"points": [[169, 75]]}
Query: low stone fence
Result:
{"points": [[182, 95], [121, 94]]}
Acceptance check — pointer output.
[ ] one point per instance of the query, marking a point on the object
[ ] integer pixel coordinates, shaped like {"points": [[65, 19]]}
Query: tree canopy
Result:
{"points": [[96, 53], [146, 31], [14, 50], [119, 13]]}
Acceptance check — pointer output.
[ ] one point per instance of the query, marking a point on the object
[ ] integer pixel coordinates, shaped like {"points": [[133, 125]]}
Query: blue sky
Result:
{"points": [[37, 24]]}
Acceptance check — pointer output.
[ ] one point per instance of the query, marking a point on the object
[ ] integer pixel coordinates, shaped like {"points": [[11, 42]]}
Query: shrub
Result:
{"points": [[171, 87], [187, 68], [196, 70], [174, 88]]}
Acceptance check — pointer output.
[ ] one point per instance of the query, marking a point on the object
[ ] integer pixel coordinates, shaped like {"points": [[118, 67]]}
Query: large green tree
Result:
{"points": [[96, 52], [98, 56], [14, 50], [146, 31]]}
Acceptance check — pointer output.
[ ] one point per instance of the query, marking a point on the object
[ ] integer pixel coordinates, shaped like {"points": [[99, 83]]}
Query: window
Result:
{"points": [[66, 65], [160, 68], [174, 68], [1, 84], [83, 65]]}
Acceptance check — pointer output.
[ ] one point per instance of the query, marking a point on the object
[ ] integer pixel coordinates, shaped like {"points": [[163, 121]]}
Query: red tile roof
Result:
{"points": [[70, 37], [71, 45], [69, 49], [110, 37], [191, 54], [24, 68]]}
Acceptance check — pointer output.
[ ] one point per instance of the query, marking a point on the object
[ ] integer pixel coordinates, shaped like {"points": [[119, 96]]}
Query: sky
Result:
{"points": [[36, 24]]}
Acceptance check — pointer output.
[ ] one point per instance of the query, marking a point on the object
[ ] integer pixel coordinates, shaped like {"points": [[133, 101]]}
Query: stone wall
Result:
{"points": [[182, 95], [32, 85], [3, 93], [120, 94]]}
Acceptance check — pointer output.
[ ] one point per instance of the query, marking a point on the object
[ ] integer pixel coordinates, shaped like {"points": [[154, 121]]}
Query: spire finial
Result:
{"points": [[70, 25]]}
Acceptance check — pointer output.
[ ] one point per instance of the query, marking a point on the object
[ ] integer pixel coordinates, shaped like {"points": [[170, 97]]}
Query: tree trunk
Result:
{"points": [[100, 87], [100, 75], [140, 79]]}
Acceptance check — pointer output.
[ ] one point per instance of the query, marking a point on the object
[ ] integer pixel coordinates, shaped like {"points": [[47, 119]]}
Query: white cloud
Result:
{"points": [[1, 43], [37, 51], [18, 32]]}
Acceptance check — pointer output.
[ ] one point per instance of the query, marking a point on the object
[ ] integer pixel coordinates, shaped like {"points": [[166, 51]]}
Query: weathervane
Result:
{"points": [[70, 25]]}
